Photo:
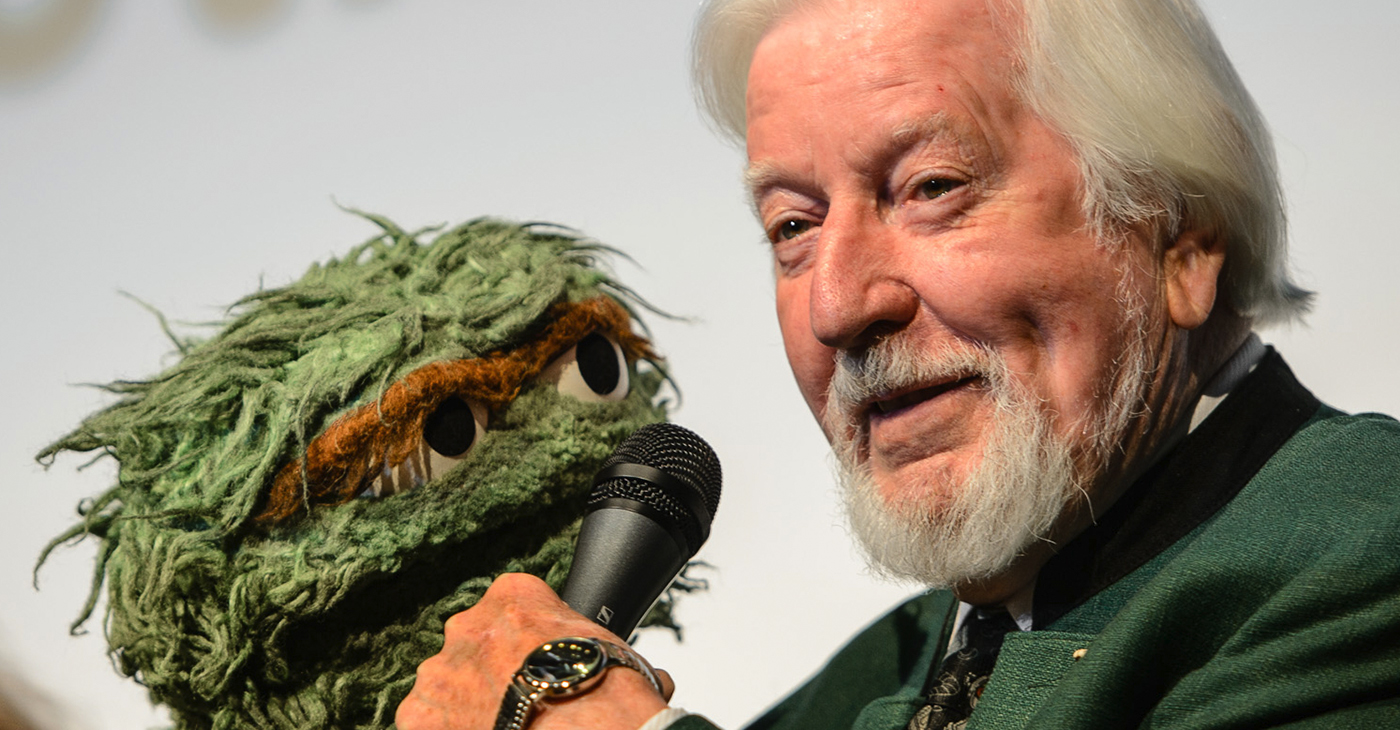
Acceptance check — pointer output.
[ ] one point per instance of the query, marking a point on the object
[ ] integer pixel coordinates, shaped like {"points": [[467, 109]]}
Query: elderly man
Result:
{"points": [[1020, 248]]}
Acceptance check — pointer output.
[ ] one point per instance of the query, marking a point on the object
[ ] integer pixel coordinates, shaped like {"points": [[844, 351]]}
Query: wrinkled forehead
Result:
{"points": [[862, 44], [853, 81], [844, 48]]}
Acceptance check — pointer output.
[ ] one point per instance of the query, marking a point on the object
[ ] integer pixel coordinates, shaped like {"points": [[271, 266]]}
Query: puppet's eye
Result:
{"points": [[594, 370], [449, 433], [451, 429]]}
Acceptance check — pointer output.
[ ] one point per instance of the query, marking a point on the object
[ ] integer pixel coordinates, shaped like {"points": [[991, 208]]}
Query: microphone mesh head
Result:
{"points": [[680, 454]]}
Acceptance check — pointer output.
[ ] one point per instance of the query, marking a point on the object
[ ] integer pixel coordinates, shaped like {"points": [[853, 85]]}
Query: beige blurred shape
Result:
{"points": [[22, 707], [238, 15], [37, 38]]}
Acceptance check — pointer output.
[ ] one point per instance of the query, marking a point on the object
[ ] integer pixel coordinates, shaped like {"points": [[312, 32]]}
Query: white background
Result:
{"points": [[185, 152]]}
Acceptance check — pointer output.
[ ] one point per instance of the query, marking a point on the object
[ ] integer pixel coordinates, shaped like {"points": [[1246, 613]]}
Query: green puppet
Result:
{"points": [[304, 498]]}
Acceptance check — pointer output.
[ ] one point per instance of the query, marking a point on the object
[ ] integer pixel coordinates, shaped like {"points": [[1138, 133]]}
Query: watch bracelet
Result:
{"points": [[516, 708], [626, 657]]}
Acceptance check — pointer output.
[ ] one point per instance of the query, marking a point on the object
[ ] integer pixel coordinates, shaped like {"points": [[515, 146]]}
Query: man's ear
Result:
{"points": [[1191, 266]]}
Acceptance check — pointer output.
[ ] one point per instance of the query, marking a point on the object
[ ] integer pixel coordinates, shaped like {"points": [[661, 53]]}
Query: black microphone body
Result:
{"points": [[649, 512], [624, 560]]}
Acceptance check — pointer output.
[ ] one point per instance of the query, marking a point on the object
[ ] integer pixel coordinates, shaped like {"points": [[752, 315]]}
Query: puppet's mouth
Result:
{"points": [[411, 473], [418, 468]]}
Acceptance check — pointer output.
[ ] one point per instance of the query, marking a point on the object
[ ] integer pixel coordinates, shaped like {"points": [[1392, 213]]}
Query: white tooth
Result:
{"points": [[415, 466], [425, 458], [386, 481]]}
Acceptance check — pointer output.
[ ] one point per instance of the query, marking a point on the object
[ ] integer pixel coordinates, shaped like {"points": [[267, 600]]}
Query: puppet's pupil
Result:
{"points": [[597, 363], [450, 429]]}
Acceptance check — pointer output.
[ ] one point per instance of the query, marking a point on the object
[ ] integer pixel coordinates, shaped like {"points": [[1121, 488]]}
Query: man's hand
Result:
{"points": [[461, 687]]}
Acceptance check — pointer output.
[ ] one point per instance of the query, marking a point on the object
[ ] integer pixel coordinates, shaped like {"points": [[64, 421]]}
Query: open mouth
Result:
{"points": [[914, 397]]}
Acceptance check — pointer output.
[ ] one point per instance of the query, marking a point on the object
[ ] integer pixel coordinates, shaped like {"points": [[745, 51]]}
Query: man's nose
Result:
{"points": [[858, 292]]}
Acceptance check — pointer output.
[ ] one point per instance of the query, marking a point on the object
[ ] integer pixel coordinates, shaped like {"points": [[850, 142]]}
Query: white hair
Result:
{"points": [[1164, 131]]}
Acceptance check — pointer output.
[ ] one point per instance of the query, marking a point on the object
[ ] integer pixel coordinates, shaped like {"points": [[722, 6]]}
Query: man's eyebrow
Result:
{"points": [[759, 176], [938, 126]]}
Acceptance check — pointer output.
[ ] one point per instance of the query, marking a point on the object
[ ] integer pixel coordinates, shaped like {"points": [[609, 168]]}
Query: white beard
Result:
{"points": [[1026, 476]]}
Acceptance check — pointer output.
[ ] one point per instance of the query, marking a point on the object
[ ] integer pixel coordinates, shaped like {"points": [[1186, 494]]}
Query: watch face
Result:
{"points": [[565, 660]]}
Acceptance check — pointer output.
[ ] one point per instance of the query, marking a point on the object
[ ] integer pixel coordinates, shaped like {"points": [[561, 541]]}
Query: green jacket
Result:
{"points": [[1251, 579]]}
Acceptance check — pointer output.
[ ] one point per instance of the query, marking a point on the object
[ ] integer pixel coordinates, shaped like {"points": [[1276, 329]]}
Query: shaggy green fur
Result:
{"points": [[322, 621]]}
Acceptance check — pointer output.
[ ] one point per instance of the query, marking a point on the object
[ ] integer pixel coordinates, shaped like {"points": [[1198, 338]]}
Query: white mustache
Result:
{"points": [[894, 364]]}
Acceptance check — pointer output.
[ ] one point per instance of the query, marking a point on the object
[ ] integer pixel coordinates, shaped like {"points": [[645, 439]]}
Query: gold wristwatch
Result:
{"points": [[564, 668]]}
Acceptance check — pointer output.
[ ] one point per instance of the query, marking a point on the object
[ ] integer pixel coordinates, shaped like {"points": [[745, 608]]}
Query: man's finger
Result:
{"points": [[668, 685]]}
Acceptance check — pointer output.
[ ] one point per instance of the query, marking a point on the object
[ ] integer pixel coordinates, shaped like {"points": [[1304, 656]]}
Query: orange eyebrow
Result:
{"points": [[359, 443]]}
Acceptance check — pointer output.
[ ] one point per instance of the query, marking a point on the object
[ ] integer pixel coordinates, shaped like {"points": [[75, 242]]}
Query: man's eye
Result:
{"points": [[790, 229], [936, 188]]}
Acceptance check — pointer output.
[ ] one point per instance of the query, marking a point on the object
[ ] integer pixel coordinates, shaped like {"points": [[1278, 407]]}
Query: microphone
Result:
{"points": [[648, 513]]}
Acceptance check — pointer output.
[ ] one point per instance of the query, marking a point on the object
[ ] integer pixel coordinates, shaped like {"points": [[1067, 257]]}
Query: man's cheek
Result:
{"points": [[812, 363], [813, 372]]}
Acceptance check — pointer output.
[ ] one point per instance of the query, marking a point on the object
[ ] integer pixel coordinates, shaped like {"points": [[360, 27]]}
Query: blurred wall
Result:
{"points": [[186, 151]]}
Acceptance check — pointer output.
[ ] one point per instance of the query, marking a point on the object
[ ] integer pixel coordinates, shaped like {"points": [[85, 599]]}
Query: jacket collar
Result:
{"points": [[1181, 491]]}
